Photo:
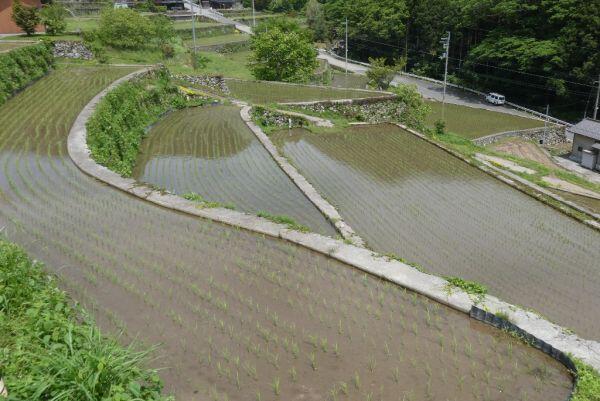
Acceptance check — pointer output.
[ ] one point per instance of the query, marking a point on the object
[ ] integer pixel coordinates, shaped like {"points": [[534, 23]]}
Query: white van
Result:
{"points": [[495, 98]]}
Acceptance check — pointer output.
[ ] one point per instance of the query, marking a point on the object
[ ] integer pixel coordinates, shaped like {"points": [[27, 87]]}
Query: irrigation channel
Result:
{"points": [[406, 196], [239, 316], [211, 151]]}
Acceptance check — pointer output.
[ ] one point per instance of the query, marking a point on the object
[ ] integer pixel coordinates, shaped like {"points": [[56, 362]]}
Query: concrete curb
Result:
{"points": [[399, 273], [307, 189]]}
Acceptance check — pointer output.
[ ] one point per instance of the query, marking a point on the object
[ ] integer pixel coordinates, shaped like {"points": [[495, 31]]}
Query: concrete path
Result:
{"points": [[572, 188], [574, 167], [216, 16], [506, 163], [428, 89]]}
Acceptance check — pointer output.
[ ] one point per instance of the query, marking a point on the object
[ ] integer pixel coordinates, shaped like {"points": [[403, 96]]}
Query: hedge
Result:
{"points": [[50, 350], [21, 66], [117, 127]]}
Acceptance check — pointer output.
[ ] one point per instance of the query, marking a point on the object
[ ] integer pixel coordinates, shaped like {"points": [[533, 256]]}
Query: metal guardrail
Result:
{"points": [[513, 105]]}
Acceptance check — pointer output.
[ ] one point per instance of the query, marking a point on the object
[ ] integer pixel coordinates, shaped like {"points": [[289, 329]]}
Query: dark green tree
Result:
{"points": [[25, 17], [53, 17]]}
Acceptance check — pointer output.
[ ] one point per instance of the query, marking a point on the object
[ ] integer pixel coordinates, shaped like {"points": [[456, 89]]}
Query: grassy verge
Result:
{"points": [[475, 290], [52, 351], [588, 383]]}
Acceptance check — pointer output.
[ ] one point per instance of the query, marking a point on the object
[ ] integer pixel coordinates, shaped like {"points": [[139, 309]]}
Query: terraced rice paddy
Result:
{"points": [[240, 316], [211, 151], [472, 122], [219, 40], [8, 46], [590, 203], [272, 92], [407, 197]]}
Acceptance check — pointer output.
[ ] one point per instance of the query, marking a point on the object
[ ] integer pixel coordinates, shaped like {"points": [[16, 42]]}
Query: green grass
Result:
{"points": [[194, 197], [288, 221], [588, 383], [42, 36], [4, 47], [219, 40], [471, 122], [270, 92], [232, 65], [51, 350]]}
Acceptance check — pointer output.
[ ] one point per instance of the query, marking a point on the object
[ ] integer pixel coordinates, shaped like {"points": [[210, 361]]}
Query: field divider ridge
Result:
{"points": [[399, 273], [328, 210]]}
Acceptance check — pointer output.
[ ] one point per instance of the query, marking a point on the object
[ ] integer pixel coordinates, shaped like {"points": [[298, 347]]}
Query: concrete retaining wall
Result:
{"points": [[551, 135], [396, 272]]}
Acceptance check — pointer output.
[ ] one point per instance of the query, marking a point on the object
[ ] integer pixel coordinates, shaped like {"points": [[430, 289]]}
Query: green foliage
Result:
{"points": [[25, 17], [416, 110], [470, 287], [588, 383], [117, 127], [286, 220], [286, 5], [315, 18], [123, 28], [259, 5], [163, 28], [51, 350], [381, 74], [21, 66], [440, 127], [199, 60], [281, 56], [53, 17]]}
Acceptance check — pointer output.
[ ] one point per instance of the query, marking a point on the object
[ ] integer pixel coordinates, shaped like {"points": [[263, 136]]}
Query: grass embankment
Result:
{"points": [[21, 66], [117, 127], [53, 351], [471, 122]]}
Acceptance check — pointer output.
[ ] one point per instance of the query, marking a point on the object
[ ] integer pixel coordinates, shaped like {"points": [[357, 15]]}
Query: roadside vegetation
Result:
{"points": [[54, 350]]}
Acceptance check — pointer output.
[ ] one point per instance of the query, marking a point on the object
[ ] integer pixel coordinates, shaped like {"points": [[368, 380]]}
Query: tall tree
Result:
{"points": [[25, 17], [315, 18]]}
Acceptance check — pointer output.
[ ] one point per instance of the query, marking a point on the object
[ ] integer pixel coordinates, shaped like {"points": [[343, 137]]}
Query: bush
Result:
{"points": [[52, 350], [415, 110], [25, 17], [117, 127], [53, 17], [440, 127], [123, 28], [380, 74], [21, 66]]}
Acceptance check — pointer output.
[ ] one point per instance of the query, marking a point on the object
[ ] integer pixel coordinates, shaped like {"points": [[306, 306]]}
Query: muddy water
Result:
{"points": [[239, 316], [211, 151], [405, 196]]}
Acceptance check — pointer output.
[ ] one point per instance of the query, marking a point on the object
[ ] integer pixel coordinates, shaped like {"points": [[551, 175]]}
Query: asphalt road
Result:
{"points": [[431, 90]]}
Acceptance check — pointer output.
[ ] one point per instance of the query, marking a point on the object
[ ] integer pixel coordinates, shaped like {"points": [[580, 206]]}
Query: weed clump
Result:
{"points": [[54, 351], [288, 221], [478, 291]]}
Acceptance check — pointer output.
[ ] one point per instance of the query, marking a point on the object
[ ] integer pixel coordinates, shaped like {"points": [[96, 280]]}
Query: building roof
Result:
{"points": [[587, 127]]}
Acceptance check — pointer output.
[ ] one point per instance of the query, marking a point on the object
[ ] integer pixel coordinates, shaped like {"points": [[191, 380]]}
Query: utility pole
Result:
{"points": [[346, 46], [446, 43], [547, 118], [597, 100], [253, 15], [194, 30]]}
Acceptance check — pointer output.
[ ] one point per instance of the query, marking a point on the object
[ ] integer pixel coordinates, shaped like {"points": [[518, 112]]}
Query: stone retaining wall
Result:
{"points": [[551, 135], [72, 49], [396, 272]]}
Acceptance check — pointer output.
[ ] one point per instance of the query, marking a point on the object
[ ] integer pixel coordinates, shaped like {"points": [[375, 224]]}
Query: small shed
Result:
{"points": [[586, 143]]}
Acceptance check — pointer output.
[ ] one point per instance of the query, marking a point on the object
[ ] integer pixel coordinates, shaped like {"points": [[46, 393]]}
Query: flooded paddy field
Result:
{"points": [[591, 204], [210, 151], [472, 122], [274, 92], [239, 316], [408, 197]]}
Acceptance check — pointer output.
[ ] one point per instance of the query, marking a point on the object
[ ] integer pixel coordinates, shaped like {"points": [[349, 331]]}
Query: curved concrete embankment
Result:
{"points": [[399, 273]]}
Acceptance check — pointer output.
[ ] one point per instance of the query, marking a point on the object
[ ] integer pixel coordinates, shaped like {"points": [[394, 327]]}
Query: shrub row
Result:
{"points": [[117, 127], [51, 350], [21, 66]]}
